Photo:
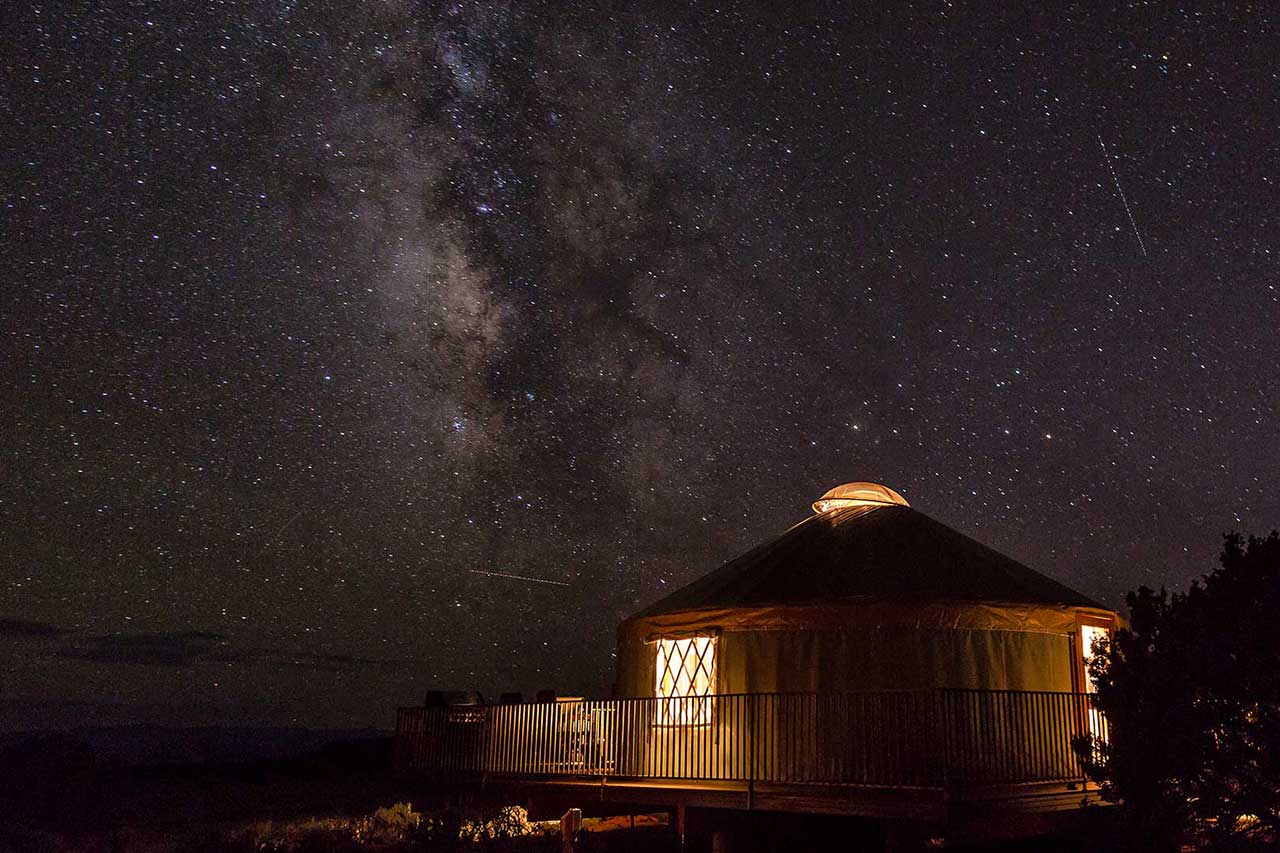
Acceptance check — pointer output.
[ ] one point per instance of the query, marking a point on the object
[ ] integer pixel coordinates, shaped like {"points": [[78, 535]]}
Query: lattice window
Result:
{"points": [[685, 679]]}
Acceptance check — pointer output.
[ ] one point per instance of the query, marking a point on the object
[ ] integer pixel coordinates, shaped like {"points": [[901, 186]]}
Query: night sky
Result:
{"points": [[317, 311]]}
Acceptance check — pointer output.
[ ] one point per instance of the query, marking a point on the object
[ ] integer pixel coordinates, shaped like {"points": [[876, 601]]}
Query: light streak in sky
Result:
{"points": [[517, 577], [1123, 200]]}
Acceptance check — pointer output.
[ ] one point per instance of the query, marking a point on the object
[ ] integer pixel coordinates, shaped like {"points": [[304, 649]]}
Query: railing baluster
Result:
{"points": [[929, 737]]}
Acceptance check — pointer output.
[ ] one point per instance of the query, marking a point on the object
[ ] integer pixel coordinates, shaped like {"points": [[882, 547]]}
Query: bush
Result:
{"points": [[390, 825]]}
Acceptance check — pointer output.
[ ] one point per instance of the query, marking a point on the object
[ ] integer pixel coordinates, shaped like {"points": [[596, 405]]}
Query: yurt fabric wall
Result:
{"points": [[865, 658]]}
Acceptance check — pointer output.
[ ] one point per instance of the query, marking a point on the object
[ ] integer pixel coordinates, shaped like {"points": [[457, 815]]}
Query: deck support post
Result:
{"points": [[570, 826], [724, 841]]}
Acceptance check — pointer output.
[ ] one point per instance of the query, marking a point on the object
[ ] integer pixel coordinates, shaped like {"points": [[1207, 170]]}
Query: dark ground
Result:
{"points": [[57, 796]]}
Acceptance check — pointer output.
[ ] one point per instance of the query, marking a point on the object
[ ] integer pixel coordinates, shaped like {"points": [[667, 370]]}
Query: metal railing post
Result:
{"points": [[943, 737], [751, 741]]}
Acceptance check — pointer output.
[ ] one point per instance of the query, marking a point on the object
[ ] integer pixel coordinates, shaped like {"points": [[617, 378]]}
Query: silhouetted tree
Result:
{"points": [[1192, 694]]}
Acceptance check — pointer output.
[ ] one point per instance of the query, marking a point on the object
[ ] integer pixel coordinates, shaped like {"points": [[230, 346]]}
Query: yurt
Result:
{"points": [[866, 594]]}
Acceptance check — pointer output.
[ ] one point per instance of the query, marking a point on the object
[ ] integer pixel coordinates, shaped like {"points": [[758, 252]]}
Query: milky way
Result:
{"points": [[332, 325]]}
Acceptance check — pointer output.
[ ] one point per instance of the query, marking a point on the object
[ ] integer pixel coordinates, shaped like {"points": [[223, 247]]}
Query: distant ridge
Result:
{"points": [[148, 745]]}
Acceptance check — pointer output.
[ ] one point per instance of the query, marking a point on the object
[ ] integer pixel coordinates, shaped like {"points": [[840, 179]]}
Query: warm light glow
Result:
{"points": [[685, 676], [858, 494], [1089, 634]]}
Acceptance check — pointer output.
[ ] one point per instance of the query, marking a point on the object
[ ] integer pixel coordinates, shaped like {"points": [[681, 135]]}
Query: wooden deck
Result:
{"points": [[904, 754]]}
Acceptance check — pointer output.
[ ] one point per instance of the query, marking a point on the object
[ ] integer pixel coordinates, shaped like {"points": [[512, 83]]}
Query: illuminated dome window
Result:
{"points": [[858, 494]]}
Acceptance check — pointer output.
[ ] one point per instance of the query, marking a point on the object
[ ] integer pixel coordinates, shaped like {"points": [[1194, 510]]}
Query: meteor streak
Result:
{"points": [[1123, 200], [517, 577]]}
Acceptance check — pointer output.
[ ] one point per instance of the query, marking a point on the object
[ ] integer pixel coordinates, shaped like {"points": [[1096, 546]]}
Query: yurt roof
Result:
{"points": [[866, 544]]}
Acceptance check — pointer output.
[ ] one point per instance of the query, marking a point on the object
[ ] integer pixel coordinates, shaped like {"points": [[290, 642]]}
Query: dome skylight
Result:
{"points": [[858, 494]]}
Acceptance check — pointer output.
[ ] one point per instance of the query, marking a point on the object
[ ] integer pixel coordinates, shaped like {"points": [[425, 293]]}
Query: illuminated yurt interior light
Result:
{"points": [[858, 494]]}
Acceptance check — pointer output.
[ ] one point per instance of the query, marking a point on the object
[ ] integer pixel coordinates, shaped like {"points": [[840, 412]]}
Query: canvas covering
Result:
{"points": [[870, 658], [869, 598]]}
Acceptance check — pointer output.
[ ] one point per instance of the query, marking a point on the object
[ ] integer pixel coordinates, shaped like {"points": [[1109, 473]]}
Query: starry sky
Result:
{"points": [[324, 318]]}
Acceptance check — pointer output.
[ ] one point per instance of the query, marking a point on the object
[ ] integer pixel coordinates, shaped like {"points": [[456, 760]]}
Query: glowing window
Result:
{"points": [[685, 677], [1090, 634]]}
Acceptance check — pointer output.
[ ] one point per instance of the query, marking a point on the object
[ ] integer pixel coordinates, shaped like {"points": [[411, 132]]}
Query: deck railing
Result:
{"points": [[930, 738]]}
